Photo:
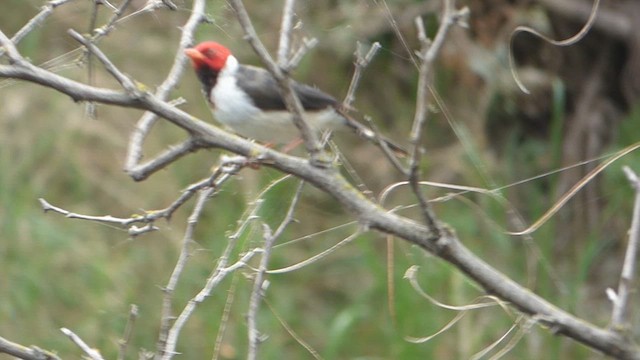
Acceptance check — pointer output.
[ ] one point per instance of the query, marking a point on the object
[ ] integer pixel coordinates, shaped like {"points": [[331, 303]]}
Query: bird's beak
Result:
{"points": [[196, 56]]}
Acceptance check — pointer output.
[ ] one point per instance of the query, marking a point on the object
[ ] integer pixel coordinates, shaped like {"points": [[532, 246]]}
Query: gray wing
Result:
{"points": [[263, 89]]}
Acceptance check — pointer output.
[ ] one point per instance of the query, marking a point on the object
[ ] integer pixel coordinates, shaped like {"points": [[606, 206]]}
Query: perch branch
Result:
{"points": [[619, 318]]}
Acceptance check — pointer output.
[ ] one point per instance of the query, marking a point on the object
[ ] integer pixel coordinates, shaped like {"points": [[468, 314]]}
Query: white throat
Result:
{"points": [[230, 66]]}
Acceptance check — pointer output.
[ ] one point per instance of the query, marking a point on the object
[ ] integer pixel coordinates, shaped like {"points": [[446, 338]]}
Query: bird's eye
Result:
{"points": [[210, 53]]}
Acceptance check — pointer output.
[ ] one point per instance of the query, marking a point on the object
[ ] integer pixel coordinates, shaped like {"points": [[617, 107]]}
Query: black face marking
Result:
{"points": [[265, 93], [208, 78]]}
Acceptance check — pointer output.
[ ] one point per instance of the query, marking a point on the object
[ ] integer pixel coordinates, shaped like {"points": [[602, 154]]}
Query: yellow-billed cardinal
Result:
{"points": [[248, 100]]}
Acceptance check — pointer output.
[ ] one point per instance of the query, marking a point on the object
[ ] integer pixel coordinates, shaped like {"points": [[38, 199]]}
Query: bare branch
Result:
{"points": [[35, 21], [23, 352], [285, 33], [228, 167], [361, 63], [144, 125], [293, 334], [110, 25], [307, 44], [169, 336], [619, 318], [128, 331], [260, 285], [217, 275], [173, 153], [124, 80], [93, 354], [10, 48], [428, 53], [185, 253], [388, 153]]}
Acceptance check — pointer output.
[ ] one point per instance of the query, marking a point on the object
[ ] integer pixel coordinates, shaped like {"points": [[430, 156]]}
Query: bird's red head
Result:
{"points": [[208, 54]]}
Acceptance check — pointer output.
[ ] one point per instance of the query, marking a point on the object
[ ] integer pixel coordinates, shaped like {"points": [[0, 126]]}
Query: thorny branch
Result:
{"points": [[229, 166]]}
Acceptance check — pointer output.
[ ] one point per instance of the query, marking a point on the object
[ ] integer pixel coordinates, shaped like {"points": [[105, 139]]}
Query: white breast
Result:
{"points": [[234, 109]]}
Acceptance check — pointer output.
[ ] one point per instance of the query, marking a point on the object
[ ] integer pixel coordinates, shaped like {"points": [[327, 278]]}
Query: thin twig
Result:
{"points": [[90, 107], [214, 280], [110, 25], [388, 153], [285, 33], [428, 53], [97, 34], [128, 331], [316, 257], [146, 122], [260, 284], [217, 275], [619, 318], [360, 64], [167, 300], [93, 354], [229, 166], [35, 21], [123, 79], [165, 158], [224, 319], [307, 44], [292, 332], [418, 124]]}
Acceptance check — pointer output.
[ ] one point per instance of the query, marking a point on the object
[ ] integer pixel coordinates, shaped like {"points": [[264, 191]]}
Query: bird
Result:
{"points": [[248, 100]]}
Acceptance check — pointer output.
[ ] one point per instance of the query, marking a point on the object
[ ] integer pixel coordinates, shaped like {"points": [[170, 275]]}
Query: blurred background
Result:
{"points": [[485, 133]]}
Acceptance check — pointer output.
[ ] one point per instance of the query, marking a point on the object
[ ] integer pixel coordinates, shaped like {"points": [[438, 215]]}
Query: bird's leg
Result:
{"points": [[292, 145]]}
